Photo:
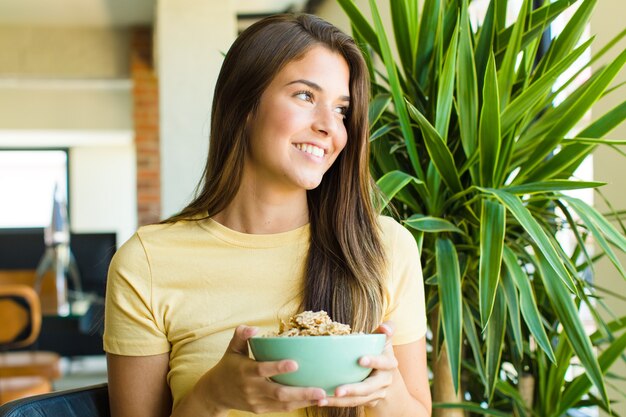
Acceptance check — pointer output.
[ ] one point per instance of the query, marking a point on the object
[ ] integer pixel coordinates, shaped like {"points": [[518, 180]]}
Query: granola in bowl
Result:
{"points": [[312, 323]]}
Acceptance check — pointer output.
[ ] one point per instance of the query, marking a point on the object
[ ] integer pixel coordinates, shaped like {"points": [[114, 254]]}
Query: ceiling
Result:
{"points": [[104, 13]]}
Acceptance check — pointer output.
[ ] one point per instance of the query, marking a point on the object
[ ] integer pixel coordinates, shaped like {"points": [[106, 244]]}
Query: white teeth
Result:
{"points": [[312, 149]]}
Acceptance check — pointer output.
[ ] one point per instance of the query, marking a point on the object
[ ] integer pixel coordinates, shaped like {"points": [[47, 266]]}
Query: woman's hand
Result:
{"points": [[240, 383], [374, 387]]}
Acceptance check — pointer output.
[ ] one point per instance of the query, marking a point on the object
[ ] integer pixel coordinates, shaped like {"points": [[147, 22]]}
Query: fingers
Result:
{"points": [[373, 388], [387, 328], [239, 342], [309, 396], [363, 393], [387, 360], [376, 382], [283, 398], [351, 400], [382, 362], [269, 369]]}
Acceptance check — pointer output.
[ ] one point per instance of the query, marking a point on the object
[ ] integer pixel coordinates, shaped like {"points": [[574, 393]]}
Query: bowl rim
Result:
{"points": [[334, 336]]}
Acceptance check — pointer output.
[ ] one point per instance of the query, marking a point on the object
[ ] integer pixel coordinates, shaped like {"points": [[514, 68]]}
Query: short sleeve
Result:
{"points": [[130, 327], [406, 305]]}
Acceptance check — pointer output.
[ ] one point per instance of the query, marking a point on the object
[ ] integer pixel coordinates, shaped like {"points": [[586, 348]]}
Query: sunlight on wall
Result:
{"points": [[27, 181]]}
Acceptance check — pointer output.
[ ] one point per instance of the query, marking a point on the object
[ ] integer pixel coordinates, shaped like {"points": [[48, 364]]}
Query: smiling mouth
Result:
{"points": [[310, 149]]}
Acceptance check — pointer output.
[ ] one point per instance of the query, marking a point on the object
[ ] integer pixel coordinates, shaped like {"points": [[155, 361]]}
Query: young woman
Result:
{"points": [[284, 221]]}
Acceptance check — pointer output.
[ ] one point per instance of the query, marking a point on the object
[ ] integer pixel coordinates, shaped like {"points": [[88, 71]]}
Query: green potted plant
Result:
{"points": [[475, 154]]}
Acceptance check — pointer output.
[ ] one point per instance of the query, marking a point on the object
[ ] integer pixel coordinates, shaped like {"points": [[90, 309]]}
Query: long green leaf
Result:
{"points": [[429, 27], [467, 86], [572, 115], [589, 64], [382, 131], [541, 118], [590, 218], [568, 315], [501, 12], [568, 38], [485, 42], [557, 373], [530, 225], [539, 21], [492, 229], [495, 338], [360, 23], [581, 384], [413, 13], [513, 307], [445, 93], [616, 325], [599, 220], [431, 224], [602, 242], [404, 24], [551, 186], [566, 159], [528, 305], [489, 131], [437, 150], [449, 286], [474, 342], [592, 141], [507, 389], [392, 183], [396, 92], [377, 106], [506, 75], [381, 150], [536, 93], [582, 245]]}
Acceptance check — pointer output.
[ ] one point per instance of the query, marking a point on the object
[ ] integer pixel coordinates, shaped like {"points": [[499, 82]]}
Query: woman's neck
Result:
{"points": [[256, 211]]}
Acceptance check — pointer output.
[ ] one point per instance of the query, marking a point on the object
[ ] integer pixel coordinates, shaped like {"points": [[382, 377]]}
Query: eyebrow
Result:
{"points": [[315, 87]]}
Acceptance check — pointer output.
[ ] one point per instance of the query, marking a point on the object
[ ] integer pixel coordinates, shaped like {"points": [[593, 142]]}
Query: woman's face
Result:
{"points": [[298, 129]]}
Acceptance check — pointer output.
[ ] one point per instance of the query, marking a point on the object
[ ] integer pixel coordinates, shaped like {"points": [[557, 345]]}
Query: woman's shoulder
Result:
{"points": [[152, 239], [167, 230], [387, 223], [159, 233], [395, 234]]}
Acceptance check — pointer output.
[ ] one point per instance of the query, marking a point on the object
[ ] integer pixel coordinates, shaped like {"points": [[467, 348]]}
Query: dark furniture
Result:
{"points": [[23, 373], [74, 335], [90, 401], [24, 248]]}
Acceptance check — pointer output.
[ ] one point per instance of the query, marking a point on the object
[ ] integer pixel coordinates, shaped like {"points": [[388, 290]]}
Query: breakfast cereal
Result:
{"points": [[312, 323]]}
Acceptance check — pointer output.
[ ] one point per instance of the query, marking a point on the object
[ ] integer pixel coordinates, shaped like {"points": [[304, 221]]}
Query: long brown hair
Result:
{"points": [[345, 261]]}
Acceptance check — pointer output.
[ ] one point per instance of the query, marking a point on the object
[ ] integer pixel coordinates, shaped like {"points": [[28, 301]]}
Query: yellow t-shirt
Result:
{"points": [[183, 288]]}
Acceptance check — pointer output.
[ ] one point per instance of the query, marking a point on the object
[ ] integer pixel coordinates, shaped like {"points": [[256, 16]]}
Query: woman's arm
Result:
{"points": [[397, 387], [240, 383], [413, 372], [138, 385]]}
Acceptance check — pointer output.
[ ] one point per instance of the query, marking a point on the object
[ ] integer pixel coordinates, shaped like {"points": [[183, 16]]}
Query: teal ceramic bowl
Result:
{"points": [[323, 361]]}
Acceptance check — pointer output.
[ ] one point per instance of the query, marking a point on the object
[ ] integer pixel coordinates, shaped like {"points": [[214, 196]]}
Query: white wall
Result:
{"points": [[192, 35], [70, 87], [103, 190], [65, 105], [606, 22], [63, 52]]}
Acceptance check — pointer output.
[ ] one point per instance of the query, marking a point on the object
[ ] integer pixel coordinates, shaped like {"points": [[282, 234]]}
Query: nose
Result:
{"points": [[325, 121]]}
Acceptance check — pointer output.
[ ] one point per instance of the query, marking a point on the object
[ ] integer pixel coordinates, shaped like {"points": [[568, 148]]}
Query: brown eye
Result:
{"points": [[304, 95], [342, 110]]}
